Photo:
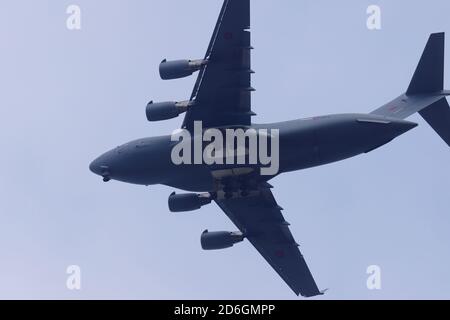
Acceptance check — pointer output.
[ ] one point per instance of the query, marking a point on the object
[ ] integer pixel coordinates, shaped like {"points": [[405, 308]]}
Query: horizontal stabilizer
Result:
{"points": [[438, 117], [426, 87]]}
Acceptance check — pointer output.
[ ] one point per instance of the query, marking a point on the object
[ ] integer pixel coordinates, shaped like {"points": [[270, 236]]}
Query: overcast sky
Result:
{"points": [[68, 96]]}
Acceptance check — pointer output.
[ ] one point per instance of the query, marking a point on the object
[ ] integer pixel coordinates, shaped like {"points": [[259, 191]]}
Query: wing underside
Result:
{"points": [[222, 92], [260, 219]]}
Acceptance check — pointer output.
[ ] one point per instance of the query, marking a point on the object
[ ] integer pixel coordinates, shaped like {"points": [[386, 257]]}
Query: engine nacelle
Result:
{"points": [[220, 240], [166, 110], [169, 70], [188, 202]]}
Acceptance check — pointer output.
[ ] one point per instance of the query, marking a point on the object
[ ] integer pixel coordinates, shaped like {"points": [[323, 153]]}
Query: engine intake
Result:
{"points": [[169, 70], [166, 110], [220, 240], [188, 202]]}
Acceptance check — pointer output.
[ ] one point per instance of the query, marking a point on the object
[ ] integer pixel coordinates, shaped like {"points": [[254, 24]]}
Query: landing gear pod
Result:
{"points": [[169, 70]]}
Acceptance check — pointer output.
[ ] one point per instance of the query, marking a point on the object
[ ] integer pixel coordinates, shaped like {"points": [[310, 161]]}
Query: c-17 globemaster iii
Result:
{"points": [[221, 104]]}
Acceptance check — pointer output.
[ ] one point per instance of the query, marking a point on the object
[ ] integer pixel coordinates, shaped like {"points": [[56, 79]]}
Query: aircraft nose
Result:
{"points": [[95, 167], [101, 167]]}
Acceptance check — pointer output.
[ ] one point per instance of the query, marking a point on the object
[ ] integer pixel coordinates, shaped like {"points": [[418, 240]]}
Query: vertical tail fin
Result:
{"points": [[429, 79], [426, 93], [429, 75]]}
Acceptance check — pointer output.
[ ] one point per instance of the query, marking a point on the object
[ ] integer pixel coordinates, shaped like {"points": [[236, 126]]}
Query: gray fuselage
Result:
{"points": [[303, 143]]}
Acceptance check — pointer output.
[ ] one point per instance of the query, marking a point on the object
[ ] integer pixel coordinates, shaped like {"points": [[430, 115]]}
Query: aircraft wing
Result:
{"points": [[259, 218], [222, 93]]}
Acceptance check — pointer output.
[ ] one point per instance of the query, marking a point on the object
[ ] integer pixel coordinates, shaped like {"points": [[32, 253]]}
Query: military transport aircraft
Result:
{"points": [[221, 100]]}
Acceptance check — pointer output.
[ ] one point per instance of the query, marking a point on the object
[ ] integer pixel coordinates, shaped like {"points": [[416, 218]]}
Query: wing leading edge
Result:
{"points": [[260, 219]]}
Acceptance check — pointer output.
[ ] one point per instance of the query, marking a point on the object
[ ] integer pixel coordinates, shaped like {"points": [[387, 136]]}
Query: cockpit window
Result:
{"points": [[142, 144]]}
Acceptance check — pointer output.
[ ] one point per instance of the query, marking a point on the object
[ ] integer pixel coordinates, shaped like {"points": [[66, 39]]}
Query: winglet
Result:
{"points": [[324, 291]]}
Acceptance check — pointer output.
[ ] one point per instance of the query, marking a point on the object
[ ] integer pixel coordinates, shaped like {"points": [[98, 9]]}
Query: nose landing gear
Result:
{"points": [[236, 187], [106, 174]]}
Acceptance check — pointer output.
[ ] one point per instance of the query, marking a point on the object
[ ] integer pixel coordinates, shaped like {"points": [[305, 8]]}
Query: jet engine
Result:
{"points": [[166, 110], [220, 240], [188, 202], [169, 70]]}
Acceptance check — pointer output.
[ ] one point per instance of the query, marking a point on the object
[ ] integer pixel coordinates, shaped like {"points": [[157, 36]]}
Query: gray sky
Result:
{"points": [[67, 96]]}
